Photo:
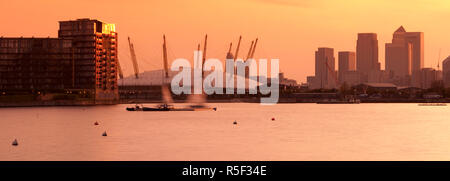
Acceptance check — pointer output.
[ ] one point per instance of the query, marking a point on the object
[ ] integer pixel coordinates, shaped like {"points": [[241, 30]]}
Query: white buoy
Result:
{"points": [[15, 143]]}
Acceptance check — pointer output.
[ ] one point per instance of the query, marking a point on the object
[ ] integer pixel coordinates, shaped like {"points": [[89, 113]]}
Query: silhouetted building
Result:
{"points": [[310, 81], [30, 65], [367, 54], [351, 78], [427, 77], [398, 56], [285, 81], [378, 76], [446, 71], [325, 74], [439, 78], [347, 62], [95, 43], [405, 57], [83, 58]]}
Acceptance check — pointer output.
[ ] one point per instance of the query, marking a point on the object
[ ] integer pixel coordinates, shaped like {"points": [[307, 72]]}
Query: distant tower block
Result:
{"points": [[446, 72], [367, 54], [324, 74], [347, 62], [405, 57]]}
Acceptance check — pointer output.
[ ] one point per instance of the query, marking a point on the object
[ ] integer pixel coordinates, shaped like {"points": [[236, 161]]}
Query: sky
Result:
{"points": [[290, 30]]}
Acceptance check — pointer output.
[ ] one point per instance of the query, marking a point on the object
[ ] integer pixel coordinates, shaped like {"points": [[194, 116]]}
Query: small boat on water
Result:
{"points": [[137, 107], [15, 143], [432, 104], [334, 101], [201, 108], [167, 107], [161, 107]]}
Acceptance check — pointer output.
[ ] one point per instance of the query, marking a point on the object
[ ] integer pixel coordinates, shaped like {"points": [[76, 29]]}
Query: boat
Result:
{"points": [[161, 107], [432, 104], [15, 143], [168, 107], [137, 107], [197, 101], [201, 108], [166, 95], [334, 101]]}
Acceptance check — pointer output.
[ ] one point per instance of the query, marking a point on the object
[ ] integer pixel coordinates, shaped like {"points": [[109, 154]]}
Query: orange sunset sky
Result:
{"points": [[290, 30]]}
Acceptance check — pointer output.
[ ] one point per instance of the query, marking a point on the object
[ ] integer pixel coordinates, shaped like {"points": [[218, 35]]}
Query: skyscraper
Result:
{"points": [[367, 54], [405, 57], [427, 77], [347, 62], [96, 58], [446, 71], [325, 74]]}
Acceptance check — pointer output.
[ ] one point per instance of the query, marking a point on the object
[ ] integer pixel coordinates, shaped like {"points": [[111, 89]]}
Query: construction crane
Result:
{"points": [[204, 51], [133, 58], [198, 100], [237, 48], [166, 95], [198, 55], [229, 54], [249, 51], [166, 66], [204, 54], [247, 70], [254, 47]]}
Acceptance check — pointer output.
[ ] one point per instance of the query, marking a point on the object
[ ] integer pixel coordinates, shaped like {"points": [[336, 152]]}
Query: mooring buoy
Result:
{"points": [[104, 134], [96, 123], [15, 143]]}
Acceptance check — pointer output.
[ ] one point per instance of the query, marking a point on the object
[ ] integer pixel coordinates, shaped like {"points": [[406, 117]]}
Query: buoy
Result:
{"points": [[215, 109], [273, 119], [96, 123], [104, 134], [15, 143], [234, 122]]}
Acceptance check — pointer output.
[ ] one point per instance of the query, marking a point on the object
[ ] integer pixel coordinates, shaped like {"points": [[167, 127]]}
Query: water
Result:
{"points": [[299, 132]]}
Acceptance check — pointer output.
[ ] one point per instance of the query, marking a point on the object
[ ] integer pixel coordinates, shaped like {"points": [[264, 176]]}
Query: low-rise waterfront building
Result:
{"points": [[83, 59]]}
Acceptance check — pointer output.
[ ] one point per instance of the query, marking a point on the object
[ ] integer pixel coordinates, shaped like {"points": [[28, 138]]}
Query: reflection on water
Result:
{"points": [[299, 132]]}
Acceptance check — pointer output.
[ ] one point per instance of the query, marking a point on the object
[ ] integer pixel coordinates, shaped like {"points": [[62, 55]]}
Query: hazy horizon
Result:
{"points": [[287, 29]]}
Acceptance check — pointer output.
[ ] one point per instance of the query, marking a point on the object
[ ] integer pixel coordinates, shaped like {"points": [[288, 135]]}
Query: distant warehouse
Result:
{"points": [[82, 61]]}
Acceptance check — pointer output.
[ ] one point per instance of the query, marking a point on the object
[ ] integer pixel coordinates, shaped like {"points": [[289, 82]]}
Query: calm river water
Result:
{"points": [[299, 132]]}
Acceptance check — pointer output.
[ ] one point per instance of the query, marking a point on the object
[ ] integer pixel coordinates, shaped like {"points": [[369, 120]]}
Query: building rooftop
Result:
{"points": [[400, 30], [446, 60]]}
